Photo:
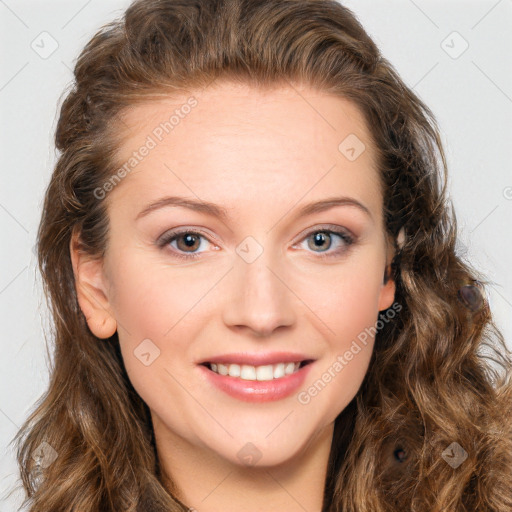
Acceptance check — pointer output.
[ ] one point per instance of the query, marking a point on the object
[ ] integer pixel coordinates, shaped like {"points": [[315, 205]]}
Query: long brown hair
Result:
{"points": [[439, 377]]}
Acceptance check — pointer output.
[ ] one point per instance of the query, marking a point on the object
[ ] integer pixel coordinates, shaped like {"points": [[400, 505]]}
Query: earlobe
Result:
{"points": [[91, 290]]}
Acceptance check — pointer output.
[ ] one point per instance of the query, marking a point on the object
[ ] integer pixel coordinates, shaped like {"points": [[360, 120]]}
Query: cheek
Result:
{"points": [[151, 298], [355, 304], [167, 306], [158, 312], [345, 298], [345, 303]]}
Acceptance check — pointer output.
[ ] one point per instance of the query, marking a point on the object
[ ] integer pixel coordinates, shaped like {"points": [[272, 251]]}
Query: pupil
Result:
{"points": [[319, 238], [190, 240]]}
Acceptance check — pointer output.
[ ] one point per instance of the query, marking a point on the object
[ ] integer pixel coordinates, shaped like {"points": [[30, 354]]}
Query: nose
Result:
{"points": [[259, 299]]}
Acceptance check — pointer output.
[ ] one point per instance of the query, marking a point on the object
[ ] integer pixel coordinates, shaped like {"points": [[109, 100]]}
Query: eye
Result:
{"points": [[321, 240], [185, 243]]}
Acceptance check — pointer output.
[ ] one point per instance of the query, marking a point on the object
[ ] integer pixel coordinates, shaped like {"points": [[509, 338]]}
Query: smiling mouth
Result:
{"points": [[257, 373]]}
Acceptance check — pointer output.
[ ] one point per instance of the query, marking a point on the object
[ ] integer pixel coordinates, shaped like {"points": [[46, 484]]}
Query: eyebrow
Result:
{"points": [[215, 210]]}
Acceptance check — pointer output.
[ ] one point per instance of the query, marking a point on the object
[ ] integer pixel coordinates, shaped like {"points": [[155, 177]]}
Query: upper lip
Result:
{"points": [[257, 359]]}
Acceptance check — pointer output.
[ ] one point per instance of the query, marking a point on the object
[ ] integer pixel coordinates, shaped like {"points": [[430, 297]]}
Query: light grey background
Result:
{"points": [[470, 92]]}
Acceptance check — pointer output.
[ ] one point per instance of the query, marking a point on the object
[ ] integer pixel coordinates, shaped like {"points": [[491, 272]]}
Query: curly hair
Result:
{"points": [[439, 376]]}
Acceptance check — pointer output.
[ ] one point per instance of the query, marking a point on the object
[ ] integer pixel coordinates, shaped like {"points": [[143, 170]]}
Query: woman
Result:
{"points": [[210, 353]]}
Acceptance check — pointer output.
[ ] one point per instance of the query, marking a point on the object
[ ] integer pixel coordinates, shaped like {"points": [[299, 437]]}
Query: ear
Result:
{"points": [[91, 290], [387, 292]]}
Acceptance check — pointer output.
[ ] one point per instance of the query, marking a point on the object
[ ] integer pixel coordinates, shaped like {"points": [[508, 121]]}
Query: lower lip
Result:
{"points": [[255, 390]]}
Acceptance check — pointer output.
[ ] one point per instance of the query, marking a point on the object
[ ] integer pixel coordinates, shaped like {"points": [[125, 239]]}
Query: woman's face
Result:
{"points": [[264, 273]]}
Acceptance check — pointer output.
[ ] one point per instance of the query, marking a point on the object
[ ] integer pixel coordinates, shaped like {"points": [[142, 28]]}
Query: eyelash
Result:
{"points": [[348, 240]]}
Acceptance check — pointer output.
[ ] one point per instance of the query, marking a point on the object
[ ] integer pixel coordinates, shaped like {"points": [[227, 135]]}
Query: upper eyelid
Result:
{"points": [[325, 227], [180, 230]]}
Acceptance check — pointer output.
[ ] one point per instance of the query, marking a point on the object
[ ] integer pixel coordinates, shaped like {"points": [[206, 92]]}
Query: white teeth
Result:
{"points": [[248, 372], [279, 370], [289, 368], [260, 373], [222, 369], [265, 372], [234, 370]]}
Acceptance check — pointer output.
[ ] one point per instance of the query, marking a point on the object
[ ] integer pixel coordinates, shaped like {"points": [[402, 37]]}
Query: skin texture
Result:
{"points": [[261, 155]]}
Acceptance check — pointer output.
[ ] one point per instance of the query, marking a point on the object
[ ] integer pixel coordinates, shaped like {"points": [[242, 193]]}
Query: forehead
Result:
{"points": [[282, 141]]}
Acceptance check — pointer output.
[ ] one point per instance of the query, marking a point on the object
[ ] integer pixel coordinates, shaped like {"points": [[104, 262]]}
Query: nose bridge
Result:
{"points": [[259, 298]]}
